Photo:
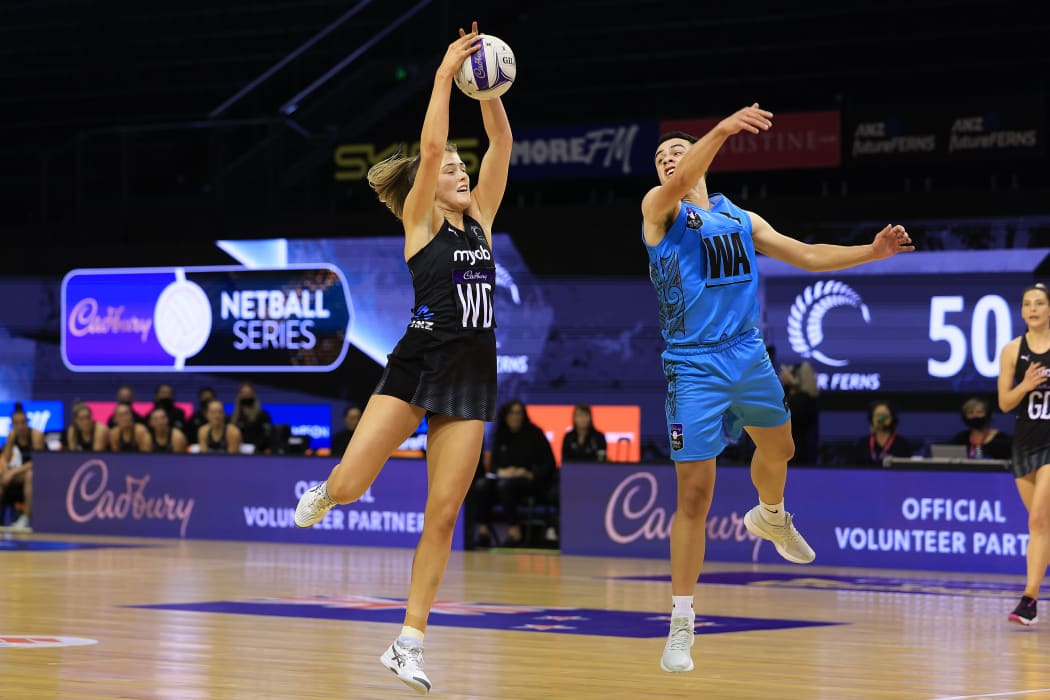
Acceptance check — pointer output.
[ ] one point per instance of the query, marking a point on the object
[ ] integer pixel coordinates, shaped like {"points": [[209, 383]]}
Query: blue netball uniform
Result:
{"points": [[719, 376]]}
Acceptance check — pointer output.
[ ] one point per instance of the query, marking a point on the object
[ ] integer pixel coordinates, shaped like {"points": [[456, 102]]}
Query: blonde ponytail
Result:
{"points": [[392, 179]]}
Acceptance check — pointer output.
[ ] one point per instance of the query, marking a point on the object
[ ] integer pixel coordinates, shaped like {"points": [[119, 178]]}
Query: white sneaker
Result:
{"points": [[676, 658], [406, 662], [313, 506], [22, 523], [789, 543]]}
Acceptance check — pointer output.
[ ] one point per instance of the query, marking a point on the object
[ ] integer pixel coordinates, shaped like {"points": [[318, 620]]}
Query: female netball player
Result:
{"points": [[719, 377], [445, 365], [1023, 382]]}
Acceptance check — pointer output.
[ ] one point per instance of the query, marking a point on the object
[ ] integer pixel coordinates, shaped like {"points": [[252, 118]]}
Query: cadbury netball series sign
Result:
{"points": [[229, 497], [946, 521], [205, 319]]}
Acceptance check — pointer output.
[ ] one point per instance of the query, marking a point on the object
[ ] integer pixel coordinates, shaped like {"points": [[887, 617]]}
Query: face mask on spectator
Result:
{"points": [[977, 422]]}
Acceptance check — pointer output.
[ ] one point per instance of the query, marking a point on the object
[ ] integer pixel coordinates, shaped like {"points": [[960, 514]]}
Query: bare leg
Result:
{"points": [[27, 491], [453, 447], [1037, 500], [696, 486], [773, 448], [385, 423]]}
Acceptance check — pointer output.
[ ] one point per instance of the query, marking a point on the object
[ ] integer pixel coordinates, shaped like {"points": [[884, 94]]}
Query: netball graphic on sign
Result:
{"points": [[205, 319]]}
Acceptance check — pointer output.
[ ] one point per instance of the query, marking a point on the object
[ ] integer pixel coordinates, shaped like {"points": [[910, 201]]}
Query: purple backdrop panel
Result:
{"points": [[221, 497], [942, 521]]}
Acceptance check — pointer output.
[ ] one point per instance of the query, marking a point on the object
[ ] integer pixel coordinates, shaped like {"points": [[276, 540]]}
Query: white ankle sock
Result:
{"points": [[773, 513], [410, 636], [682, 606]]}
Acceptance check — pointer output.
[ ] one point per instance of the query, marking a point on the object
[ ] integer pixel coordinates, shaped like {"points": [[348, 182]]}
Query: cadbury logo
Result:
{"points": [[85, 319], [87, 499]]}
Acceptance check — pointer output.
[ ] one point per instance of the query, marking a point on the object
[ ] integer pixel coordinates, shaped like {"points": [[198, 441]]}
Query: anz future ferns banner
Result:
{"points": [[205, 319]]}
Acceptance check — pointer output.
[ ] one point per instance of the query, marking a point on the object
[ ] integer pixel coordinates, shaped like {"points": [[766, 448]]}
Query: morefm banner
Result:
{"points": [[221, 497], [606, 150], [230, 319], [943, 521]]}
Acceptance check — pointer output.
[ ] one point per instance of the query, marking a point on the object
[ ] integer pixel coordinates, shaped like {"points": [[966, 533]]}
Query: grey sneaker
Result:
{"points": [[406, 662], [789, 543], [676, 658], [313, 506]]}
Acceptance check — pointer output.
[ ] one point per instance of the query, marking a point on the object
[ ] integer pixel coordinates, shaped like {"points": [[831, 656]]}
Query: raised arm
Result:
{"points": [[822, 257], [495, 165], [662, 201], [419, 203]]}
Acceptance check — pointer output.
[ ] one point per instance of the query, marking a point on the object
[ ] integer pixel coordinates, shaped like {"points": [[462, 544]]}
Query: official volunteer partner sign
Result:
{"points": [[205, 319]]}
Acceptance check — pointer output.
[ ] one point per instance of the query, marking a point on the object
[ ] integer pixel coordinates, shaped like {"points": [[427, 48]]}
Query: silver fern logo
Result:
{"points": [[805, 326]]}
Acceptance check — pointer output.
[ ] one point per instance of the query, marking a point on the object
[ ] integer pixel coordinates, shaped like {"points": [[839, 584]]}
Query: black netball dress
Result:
{"points": [[1031, 448], [446, 361]]}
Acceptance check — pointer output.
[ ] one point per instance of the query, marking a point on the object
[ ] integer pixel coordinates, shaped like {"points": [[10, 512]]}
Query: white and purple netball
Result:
{"points": [[488, 72]]}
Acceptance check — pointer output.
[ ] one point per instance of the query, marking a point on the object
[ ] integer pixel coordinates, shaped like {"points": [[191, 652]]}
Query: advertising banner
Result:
{"points": [[244, 498], [606, 150], [205, 319], [797, 140], [942, 521], [621, 426], [970, 128], [902, 328]]}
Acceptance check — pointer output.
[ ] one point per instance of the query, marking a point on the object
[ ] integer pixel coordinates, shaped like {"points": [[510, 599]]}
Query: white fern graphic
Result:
{"points": [[805, 326]]}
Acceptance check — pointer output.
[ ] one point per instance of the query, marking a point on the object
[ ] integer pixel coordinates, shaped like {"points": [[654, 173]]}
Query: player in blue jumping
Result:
{"points": [[702, 261]]}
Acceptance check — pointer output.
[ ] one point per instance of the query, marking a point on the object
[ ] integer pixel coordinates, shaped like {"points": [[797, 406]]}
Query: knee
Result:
{"points": [[780, 451], [694, 500], [1039, 521], [441, 520]]}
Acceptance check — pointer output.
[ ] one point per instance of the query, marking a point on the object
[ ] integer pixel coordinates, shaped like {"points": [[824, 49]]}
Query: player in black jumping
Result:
{"points": [[445, 365]]}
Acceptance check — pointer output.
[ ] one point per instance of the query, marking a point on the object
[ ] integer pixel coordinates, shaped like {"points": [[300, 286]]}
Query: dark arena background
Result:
{"points": [[183, 203]]}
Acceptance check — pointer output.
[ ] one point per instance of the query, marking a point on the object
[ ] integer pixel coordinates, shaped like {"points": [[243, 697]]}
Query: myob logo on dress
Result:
{"points": [[205, 319]]}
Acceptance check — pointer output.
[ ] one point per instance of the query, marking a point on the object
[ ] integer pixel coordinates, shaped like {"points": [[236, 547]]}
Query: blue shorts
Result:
{"points": [[713, 391]]}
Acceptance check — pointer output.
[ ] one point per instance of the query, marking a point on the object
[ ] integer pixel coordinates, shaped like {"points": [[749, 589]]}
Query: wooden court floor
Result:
{"points": [[241, 620]]}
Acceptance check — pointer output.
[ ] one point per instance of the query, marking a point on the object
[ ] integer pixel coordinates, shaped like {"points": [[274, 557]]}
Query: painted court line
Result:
{"points": [[1011, 694]]}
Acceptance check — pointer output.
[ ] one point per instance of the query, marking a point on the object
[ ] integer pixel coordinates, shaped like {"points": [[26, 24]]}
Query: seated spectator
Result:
{"points": [[86, 434], [165, 438], [982, 440], [164, 397], [583, 442], [800, 395], [351, 417], [125, 395], [252, 420], [522, 466], [126, 435], [218, 436], [16, 462], [882, 440], [205, 395]]}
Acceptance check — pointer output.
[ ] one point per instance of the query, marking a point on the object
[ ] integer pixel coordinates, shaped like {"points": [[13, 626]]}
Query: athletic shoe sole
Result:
{"points": [[757, 532]]}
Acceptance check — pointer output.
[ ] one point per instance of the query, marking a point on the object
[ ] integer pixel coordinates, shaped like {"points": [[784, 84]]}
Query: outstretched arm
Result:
{"points": [[419, 204], [661, 201], [822, 257], [492, 177]]}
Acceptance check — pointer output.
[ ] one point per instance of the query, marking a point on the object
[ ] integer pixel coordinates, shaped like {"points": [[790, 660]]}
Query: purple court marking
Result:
{"points": [[885, 584], [603, 623], [39, 546]]}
